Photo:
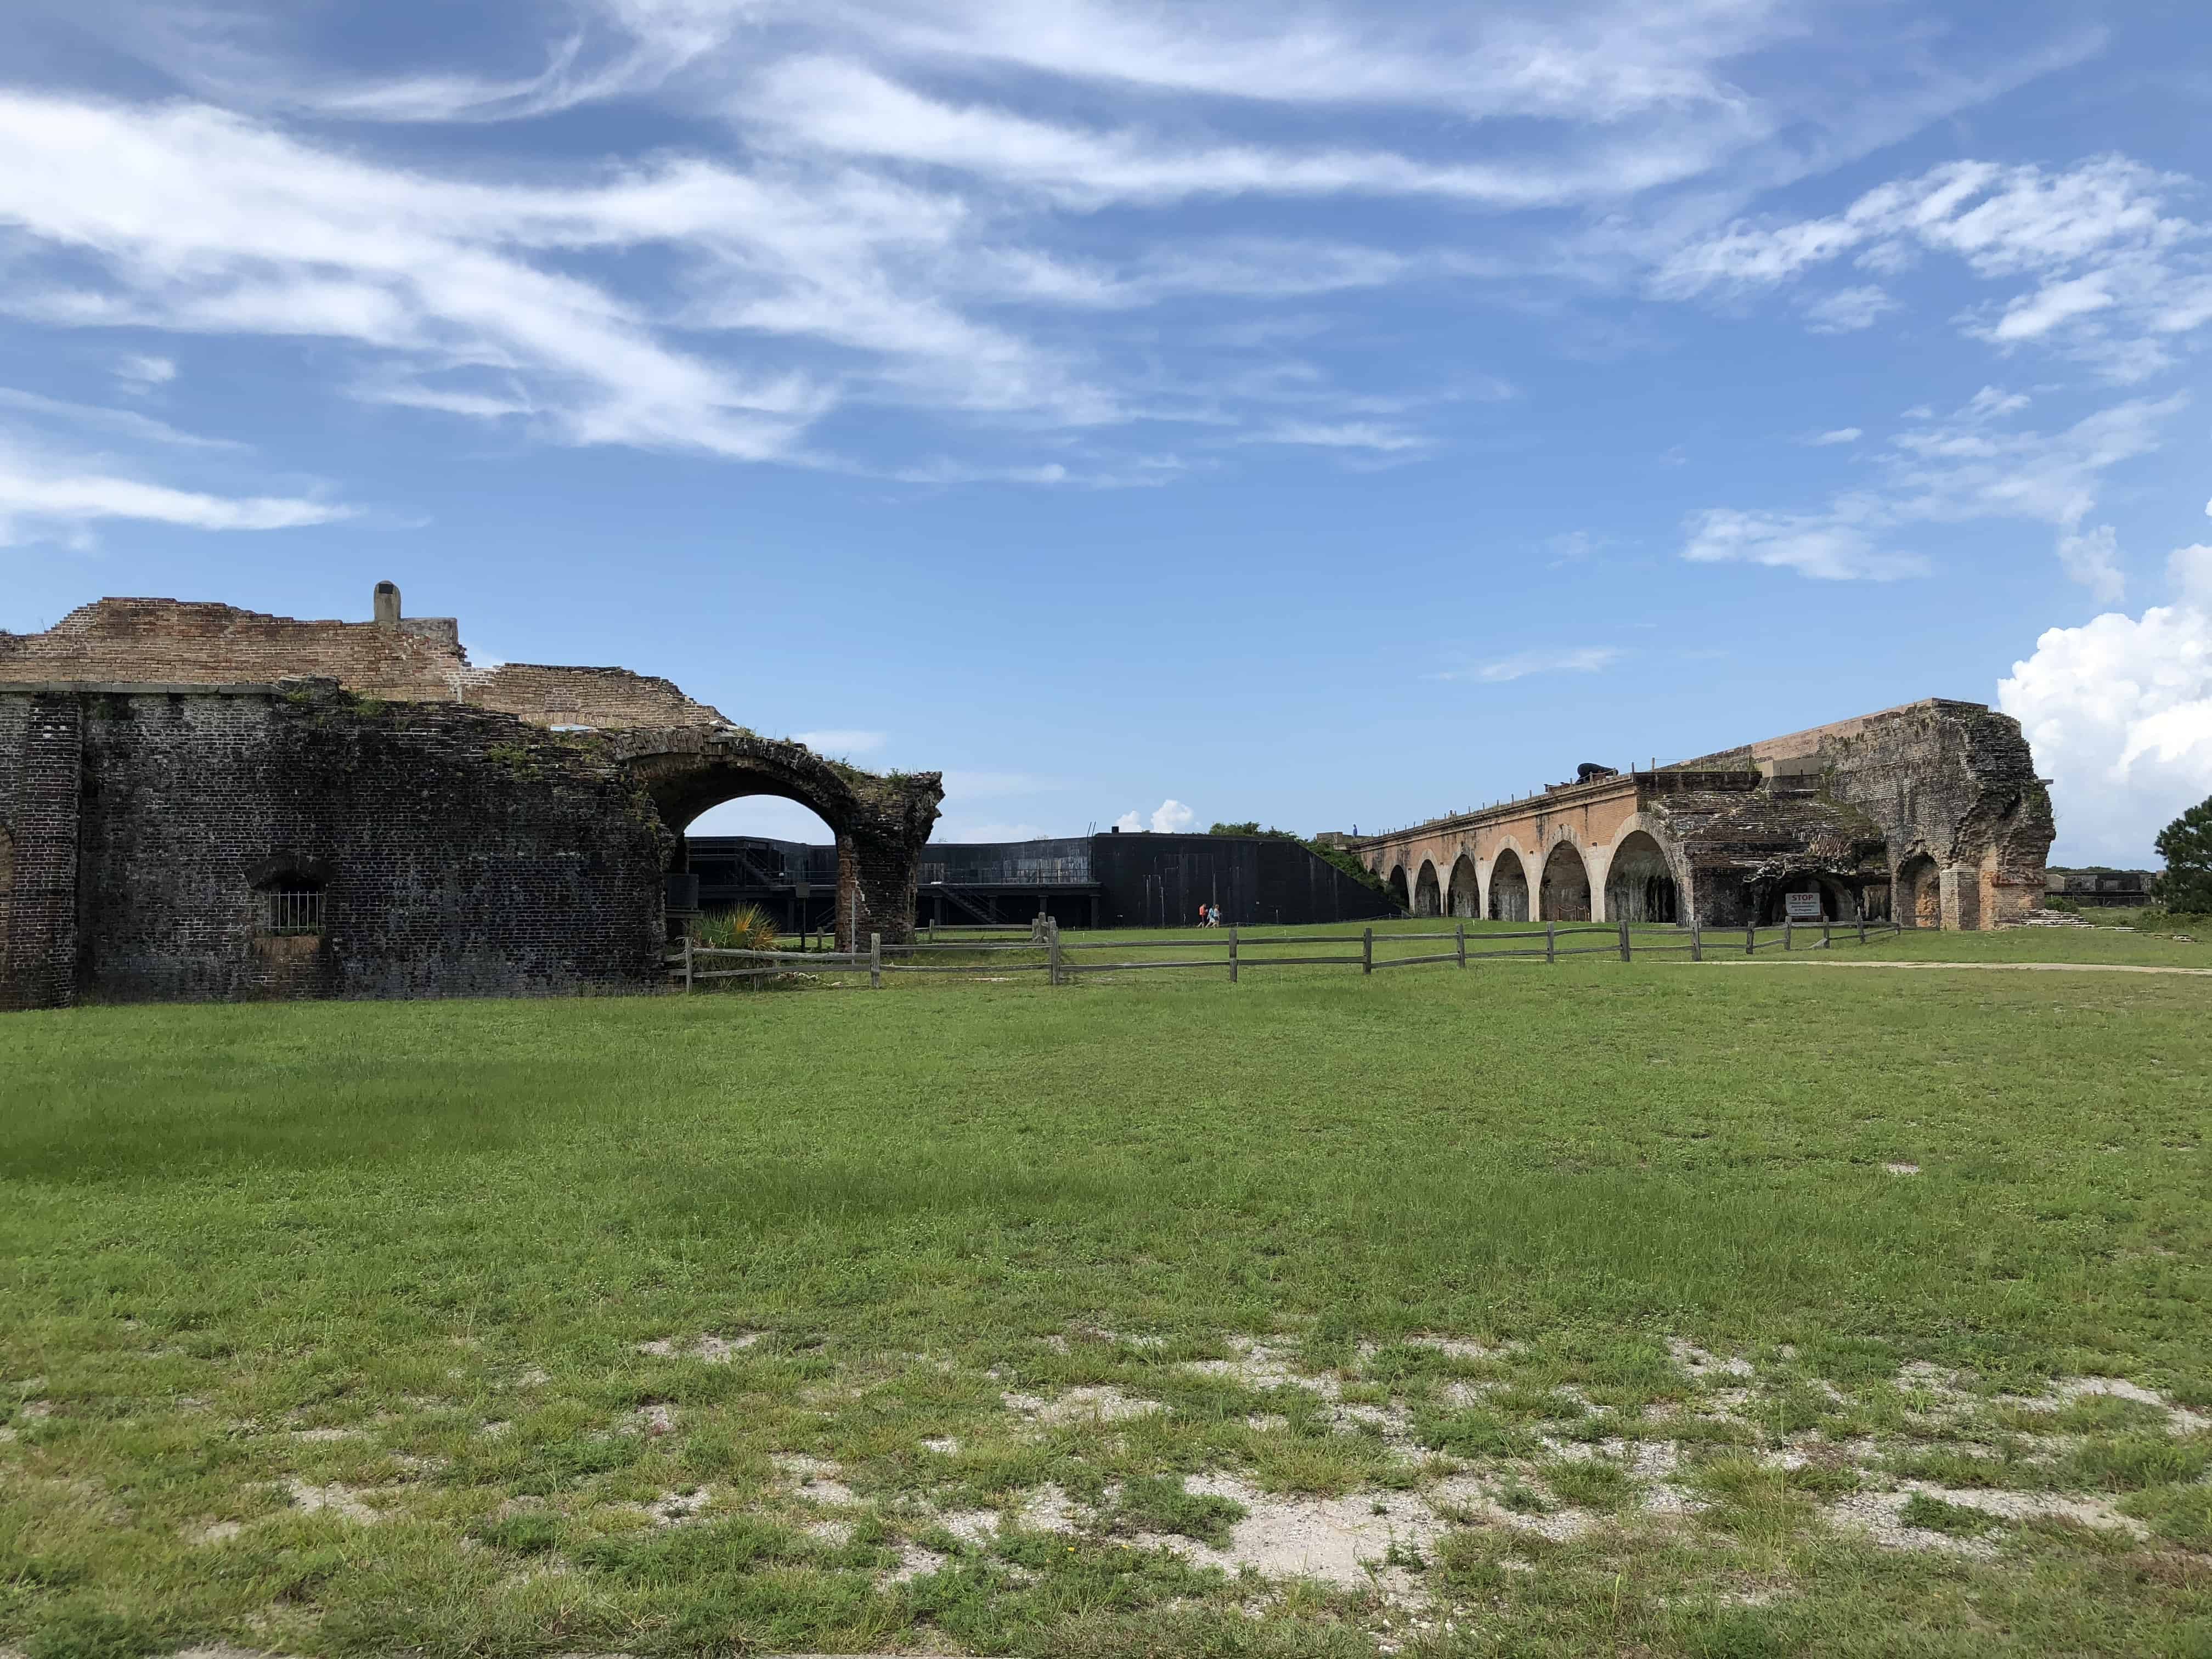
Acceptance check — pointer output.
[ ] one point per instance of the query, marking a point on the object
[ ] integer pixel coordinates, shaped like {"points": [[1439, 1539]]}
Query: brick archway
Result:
{"points": [[881, 822], [1428, 892], [1508, 888], [1395, 884], [1565, 895], [1464, 897]]}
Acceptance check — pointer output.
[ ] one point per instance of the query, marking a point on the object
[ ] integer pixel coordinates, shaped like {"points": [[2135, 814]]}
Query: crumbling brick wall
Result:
{"points": [[457, 852]]}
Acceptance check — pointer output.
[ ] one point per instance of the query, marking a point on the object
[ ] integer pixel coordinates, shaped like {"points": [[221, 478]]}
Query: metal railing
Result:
{"points": [[289, 912]]}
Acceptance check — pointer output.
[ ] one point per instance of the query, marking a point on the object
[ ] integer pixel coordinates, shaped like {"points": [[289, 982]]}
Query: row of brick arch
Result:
{"points": [[1640, 885]]}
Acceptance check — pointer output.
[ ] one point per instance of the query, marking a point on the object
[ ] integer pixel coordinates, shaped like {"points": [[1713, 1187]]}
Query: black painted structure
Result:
{"points": [[1112, 880]]}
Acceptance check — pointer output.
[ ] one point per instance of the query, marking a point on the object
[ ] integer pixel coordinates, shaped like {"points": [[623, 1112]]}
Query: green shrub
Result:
{"points": [[747, 927]]}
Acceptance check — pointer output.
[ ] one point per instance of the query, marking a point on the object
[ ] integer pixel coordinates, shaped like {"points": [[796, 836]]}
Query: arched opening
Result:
{"points": [[763, 853], [1917, 894], [1838, 902], [1428, 894], [1639, 883], [1465, 895], [1508, 889], [1396, 886], [1567, 891]]}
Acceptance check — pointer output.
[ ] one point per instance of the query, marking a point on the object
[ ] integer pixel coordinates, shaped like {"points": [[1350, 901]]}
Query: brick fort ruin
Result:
{"points": [[1930, 813], [199, 802]]}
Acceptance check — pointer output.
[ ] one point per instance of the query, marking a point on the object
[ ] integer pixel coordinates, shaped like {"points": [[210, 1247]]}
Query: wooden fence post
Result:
{"points": [[1863, 930], [1624, 939], [875, 962], [687, 964], [1786, 935], [1550, 942], [1828, 943], [1052, 954], [1697, 939], [1750, 937], [1462, 945], [1232, 956], [1367, 952]]}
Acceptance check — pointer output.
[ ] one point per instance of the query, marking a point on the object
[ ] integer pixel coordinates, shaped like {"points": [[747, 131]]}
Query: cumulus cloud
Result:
{"points": [[1585, 660], [1169, 817], [1839, 544], [2120, 713]]}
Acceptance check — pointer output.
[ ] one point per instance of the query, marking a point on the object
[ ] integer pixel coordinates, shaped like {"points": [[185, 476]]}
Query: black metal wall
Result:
{"points": [[1159, 881]]}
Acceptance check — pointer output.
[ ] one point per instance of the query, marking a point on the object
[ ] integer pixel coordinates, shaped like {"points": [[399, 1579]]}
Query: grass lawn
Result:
{"points": [[1600, 1308]]}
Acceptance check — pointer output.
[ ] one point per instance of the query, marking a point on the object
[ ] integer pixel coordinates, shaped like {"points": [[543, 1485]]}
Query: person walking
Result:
{"points": [[1201, 915]]}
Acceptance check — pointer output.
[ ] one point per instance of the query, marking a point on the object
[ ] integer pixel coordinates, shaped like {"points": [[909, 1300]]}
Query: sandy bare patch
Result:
{"points": [[971, 1526], [1105, 1404], [914, 1562], [1700, 1365], [817, 1480], [218, 1532], [945, 1445], [2180, 1420], [674, 1507], [1047, 1509], [340, 1500], [835, 1533], [320, 1436], [1258, 1366], [653, 1420], [1902, 1169], [1464, 1347], [713, 1350]]}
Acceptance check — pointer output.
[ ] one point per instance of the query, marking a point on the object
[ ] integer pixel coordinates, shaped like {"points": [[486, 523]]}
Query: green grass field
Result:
{"points": [[1600, 1308]]}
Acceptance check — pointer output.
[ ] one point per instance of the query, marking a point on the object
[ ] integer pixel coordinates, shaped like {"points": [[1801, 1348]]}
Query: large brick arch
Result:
{"points": [[1507, 893], [881, 822], [1564, 892], [1428, 891], [1463, 894], [1645, 834]]}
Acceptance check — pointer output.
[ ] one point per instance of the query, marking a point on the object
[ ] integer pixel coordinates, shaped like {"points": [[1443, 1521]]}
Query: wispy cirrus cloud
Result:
{"points": [[2101, 268], [1582, 659], [1977, 463], [51, 495]]}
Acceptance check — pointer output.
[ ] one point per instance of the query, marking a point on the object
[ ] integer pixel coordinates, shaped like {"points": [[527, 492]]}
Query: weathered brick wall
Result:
{"points": [[417, 658], [460, 852], [41, 740]]}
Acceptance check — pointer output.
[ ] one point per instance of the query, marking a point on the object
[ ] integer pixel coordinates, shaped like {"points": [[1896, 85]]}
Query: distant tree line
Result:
{"points": [[1333, 855]]}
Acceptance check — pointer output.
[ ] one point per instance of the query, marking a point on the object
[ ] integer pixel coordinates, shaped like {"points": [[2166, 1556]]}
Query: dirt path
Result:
{"points": [[1975, 967]]}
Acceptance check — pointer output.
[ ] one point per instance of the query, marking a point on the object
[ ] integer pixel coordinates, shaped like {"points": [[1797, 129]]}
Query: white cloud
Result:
{"points": [[842, 743], [2115, 278], [2118, 712], [121, 422], [1842, 434], [1171, 817], [142, 374], [1848, 310], [1837, 545], [1966, 466], [44, 496], [1586, 659]]}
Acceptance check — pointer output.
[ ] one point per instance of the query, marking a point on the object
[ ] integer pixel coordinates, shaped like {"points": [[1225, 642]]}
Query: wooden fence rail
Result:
{"points": [[693, 963]]}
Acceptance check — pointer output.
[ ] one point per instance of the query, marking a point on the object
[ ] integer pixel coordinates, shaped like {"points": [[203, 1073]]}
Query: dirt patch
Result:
{"points": [[1257, 1365], [1047, 1510], [1103, 1404], [346, 1502], [713, 1350], [672, 1509], [815, 1479], [1699, 1364], [1902, 1169]]}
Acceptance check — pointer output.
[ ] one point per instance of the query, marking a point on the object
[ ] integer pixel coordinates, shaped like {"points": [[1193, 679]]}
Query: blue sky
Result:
{"points": [[1325, 413]]}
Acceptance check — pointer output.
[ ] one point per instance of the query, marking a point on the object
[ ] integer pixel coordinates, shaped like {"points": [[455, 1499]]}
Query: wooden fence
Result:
{"points": [[1063, 963]]}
